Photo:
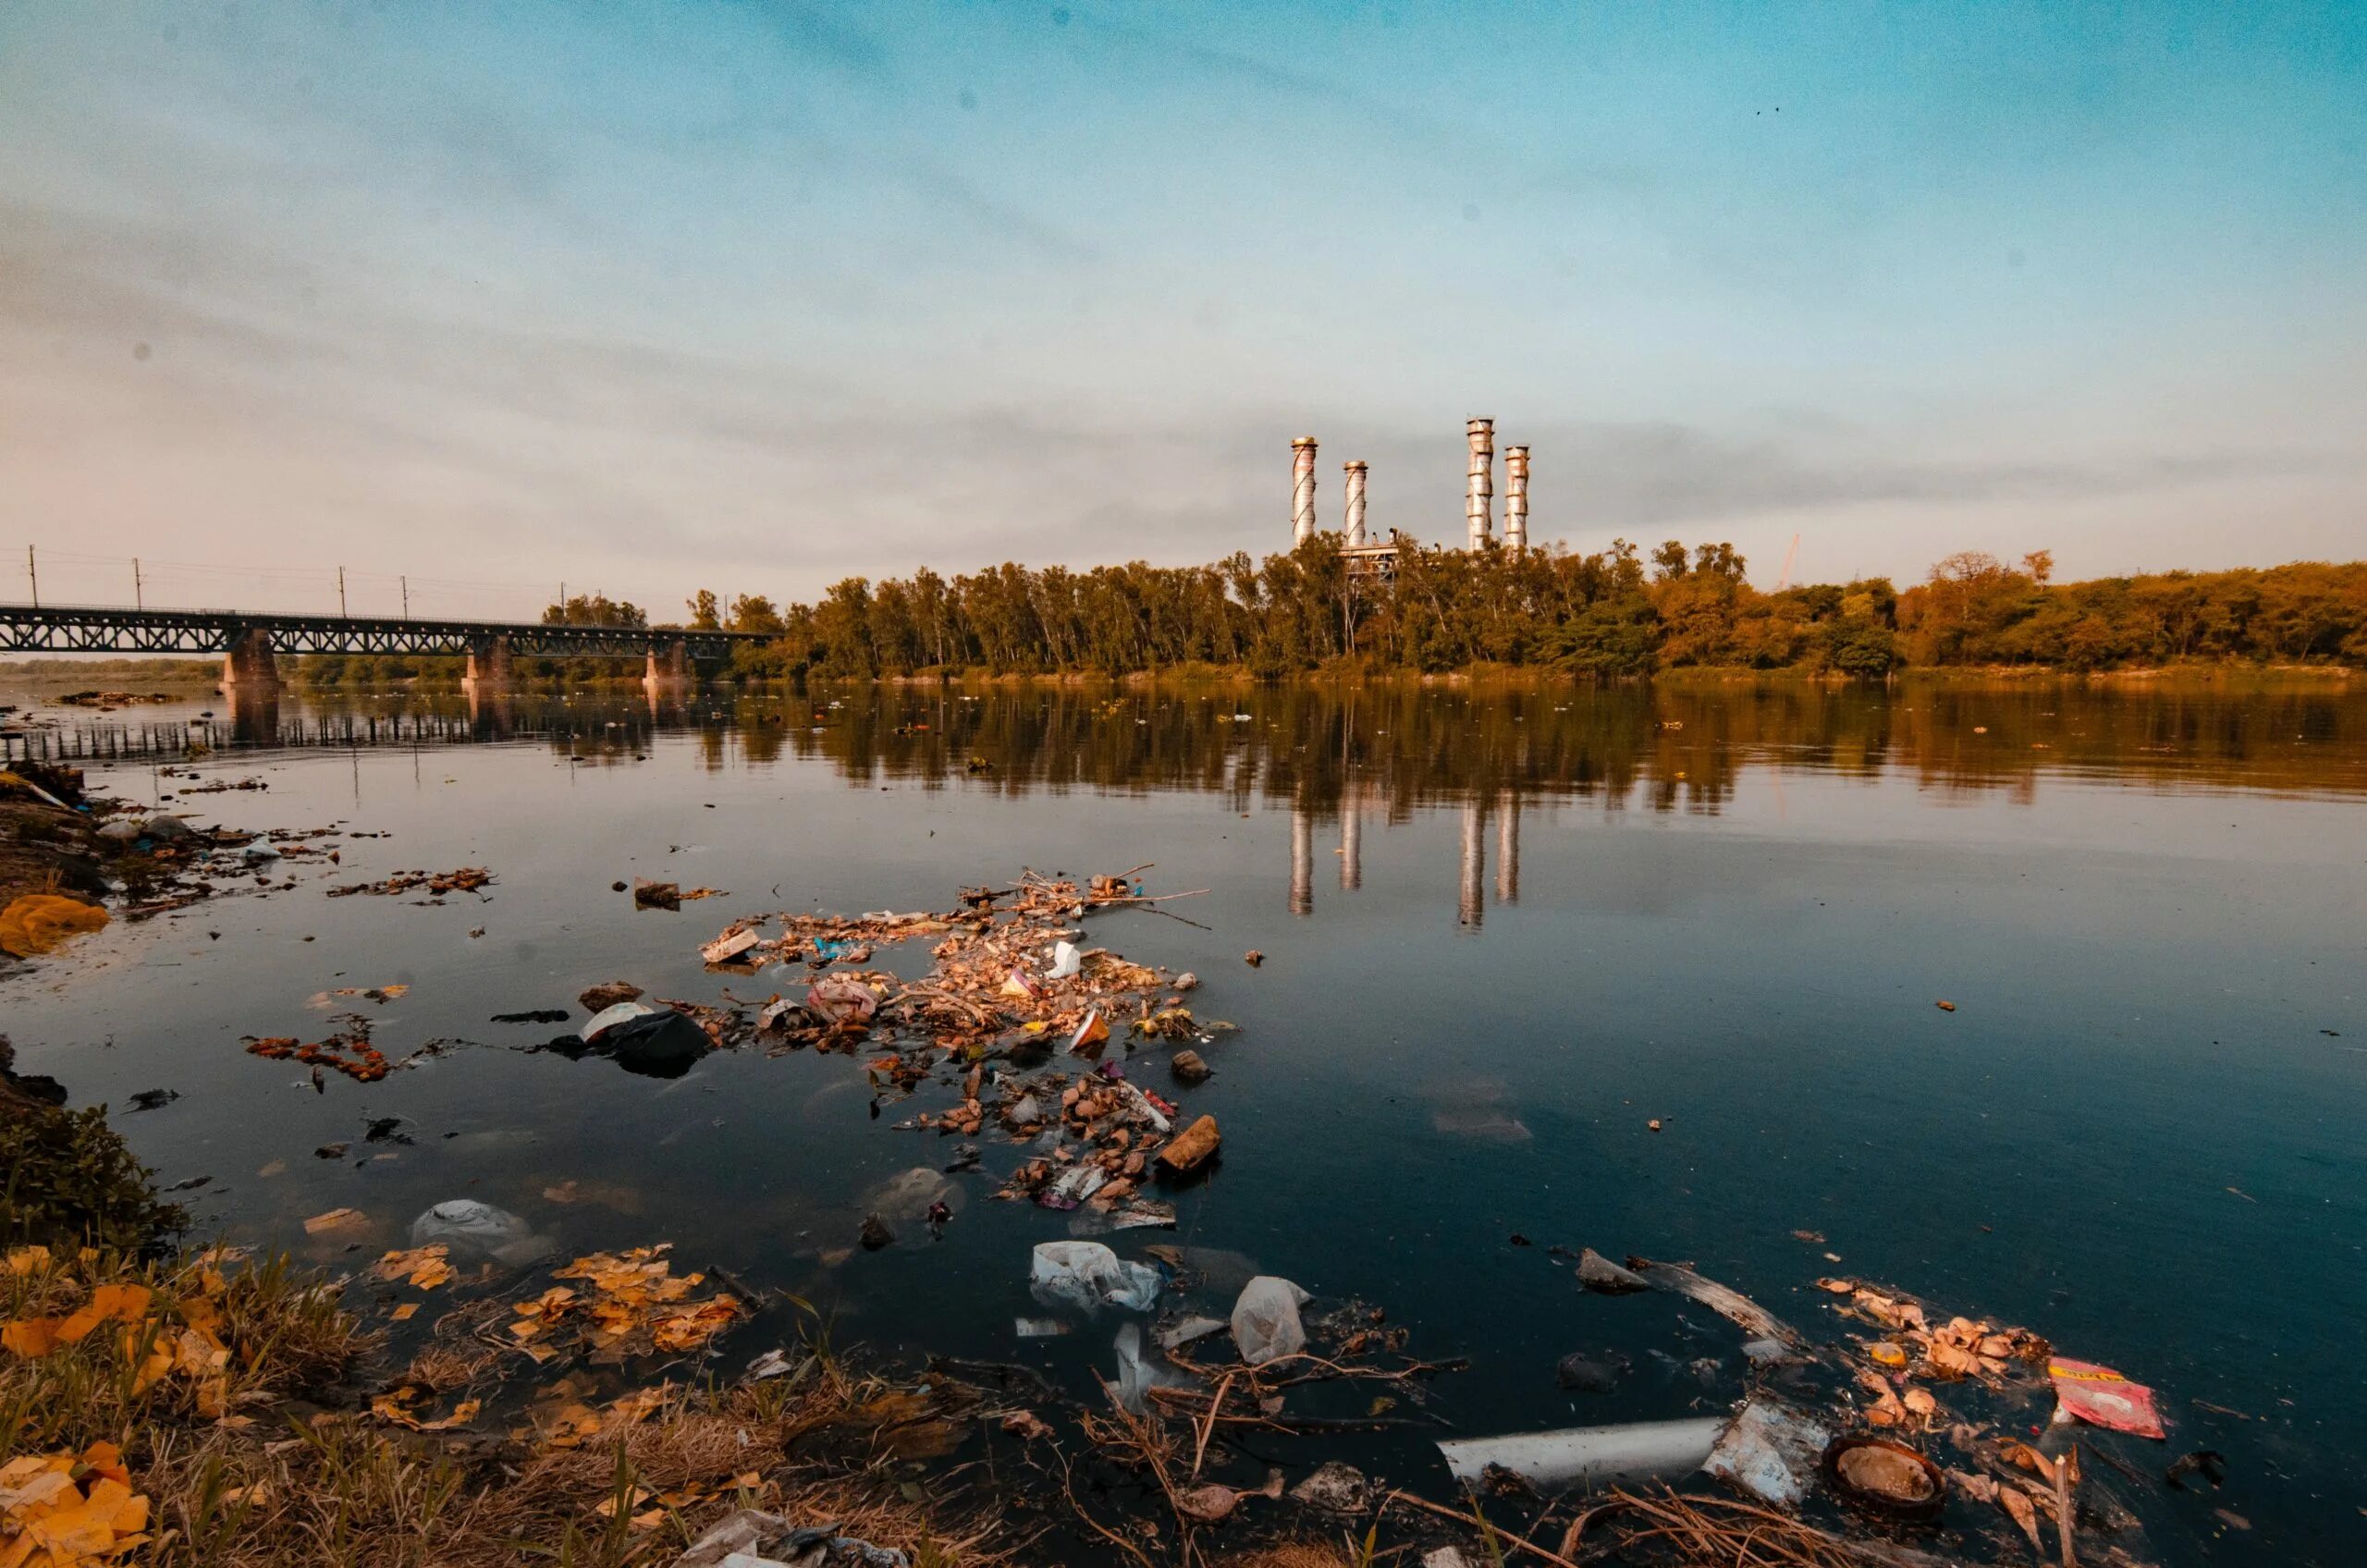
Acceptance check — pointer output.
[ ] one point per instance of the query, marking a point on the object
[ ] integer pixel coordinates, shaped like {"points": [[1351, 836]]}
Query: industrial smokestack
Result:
{"points": [[1476, 506], [1516, 497], [1352, 530], [1302, 489]]}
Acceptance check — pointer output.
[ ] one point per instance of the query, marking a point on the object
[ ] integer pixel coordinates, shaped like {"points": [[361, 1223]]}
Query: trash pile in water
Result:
{"points": [[1908, 1425], [465, 879]]}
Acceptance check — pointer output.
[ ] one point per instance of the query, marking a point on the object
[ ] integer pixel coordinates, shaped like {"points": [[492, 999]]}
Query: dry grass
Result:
{"points": [[274, 1465], [1292, 1554]]}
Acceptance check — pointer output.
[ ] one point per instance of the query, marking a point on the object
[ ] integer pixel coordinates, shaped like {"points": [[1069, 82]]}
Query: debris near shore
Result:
{"points": [[1909, 1423], [1031, 1030], [465, 879], [348, 1050]]}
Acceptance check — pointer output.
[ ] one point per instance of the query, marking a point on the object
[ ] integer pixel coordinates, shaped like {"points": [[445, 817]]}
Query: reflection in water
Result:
{"points": [[1507, 847], [1352, 823], [254, 713], [1394, 748]]}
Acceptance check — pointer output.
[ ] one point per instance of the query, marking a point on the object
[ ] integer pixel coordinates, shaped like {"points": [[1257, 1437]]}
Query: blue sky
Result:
{"points": [[761, 295]]}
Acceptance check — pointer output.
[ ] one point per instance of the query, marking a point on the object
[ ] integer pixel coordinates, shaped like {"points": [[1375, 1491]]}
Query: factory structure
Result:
{"points": [[1369, 557]]}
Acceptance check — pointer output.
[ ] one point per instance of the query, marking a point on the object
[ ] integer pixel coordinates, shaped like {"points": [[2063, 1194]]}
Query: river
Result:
{"points": [[1505, 935]]}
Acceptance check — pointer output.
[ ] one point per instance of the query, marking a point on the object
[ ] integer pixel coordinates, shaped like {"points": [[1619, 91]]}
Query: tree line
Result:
{"points": [[1616, 612]]}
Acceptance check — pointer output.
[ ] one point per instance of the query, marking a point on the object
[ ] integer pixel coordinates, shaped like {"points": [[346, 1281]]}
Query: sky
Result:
{"points": [[482, 298]]}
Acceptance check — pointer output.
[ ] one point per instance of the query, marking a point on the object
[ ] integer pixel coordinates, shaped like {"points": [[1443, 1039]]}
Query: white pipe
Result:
{"points": [[1646, 1451]]}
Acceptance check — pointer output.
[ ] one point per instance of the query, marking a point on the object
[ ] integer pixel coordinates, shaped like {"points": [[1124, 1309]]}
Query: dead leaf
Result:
{"points": [[1208, 1504], [2024, 1514], [334, 1219], [1026, 1424]]}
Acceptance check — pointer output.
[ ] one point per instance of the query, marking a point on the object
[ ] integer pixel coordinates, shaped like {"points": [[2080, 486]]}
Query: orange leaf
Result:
{"points": [[31, 1338]]}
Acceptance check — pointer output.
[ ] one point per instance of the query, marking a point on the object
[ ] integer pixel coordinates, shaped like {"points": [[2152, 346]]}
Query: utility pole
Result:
{"points": [[32, 569], [139, 595], [340, 593], [406, 582], [562, 603]]}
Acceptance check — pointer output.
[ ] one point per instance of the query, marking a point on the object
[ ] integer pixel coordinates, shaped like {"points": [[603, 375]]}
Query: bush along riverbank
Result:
{"points": [[470, 1396]]}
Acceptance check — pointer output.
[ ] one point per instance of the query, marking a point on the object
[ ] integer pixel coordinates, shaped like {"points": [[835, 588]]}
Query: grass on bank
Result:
{"points": [[235, 1391]]}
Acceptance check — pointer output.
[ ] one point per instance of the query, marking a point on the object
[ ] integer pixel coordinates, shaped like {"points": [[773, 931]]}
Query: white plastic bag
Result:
{"points": [[1089, 1276], [1264, 1320]]}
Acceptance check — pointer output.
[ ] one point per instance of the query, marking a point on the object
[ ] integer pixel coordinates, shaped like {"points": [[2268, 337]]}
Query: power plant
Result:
{"points": [[1369, 556]]}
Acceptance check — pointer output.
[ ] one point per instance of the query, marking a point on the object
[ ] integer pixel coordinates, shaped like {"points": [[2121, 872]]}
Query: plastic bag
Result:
{"points": [[1264, 1320], [1089, 1276], [466, 1226]]}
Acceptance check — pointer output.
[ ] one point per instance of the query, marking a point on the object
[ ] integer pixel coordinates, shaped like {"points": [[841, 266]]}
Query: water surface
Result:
{"points": [[1503, 934]]}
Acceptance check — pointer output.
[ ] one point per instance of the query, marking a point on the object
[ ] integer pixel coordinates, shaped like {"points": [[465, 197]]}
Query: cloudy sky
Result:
{"points": [[758, 295]]}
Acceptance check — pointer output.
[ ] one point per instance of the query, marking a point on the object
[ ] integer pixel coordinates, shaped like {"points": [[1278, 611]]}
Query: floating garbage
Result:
{"points": [[839, 999], [609, 1017], [1771, 1451], [1643, 1451], [1733, 1306], [465, 1225], [1185, 1331], [1597, 1273], [1335, 1488], [1089, 1277], [607, 994], [731, 945], [1887, 1480], [1192, 1147], [753, 1539], [1266, 1322], [1138, 1374], [2101, 1397], [1067, 963], [661, 1043]]}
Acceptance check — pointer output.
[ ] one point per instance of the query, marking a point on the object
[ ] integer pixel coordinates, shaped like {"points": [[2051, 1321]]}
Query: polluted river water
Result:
{"points": [[1650, 971]]}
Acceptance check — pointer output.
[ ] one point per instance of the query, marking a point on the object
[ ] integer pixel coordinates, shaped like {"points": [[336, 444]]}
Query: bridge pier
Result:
{"points": [[669, 668], [247, 664], [488, 669]]}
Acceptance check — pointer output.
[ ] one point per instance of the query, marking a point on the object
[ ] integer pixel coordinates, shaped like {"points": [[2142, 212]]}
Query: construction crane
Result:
{"points": [[1784, 578]]}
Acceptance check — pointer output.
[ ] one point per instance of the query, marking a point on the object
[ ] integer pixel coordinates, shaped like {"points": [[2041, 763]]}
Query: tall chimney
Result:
{"points": [[1302, 489], [1352, 530], [1516, 498], [1483, 480]]}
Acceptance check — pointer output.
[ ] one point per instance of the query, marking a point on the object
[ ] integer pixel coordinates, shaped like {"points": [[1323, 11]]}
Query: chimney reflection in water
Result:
{"points": [[1302, 858], [1475, 862], [1352, 836], [1507, 848]]}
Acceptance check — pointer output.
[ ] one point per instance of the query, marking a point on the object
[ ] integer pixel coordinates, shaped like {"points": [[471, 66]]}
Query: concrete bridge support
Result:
{"points": [[488, 667], [670, 669], [248, 665]]}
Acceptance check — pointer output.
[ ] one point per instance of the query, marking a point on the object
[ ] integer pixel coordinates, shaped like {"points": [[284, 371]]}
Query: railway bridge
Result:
{"points": [[248, 641]]}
